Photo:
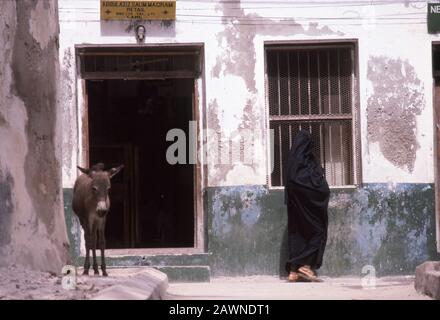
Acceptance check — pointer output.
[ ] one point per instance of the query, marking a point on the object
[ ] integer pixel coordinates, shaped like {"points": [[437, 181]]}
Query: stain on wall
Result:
{"points": [[73, 226], [7, 25], [69, 112], [237, 57], [2, 118], [35, 85], [396, 100], [30, 151], [237, 209], [388, 226], [6, 207]]}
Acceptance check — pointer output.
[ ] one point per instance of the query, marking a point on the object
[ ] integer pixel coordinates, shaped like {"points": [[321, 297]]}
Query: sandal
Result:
{"points": [[307, 273], [293, 277]]}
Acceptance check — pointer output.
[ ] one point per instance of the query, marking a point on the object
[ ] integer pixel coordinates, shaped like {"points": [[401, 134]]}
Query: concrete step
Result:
{"points": [[178, 267], [139, 283], [162, 260], [428, 279], [186, 273]]}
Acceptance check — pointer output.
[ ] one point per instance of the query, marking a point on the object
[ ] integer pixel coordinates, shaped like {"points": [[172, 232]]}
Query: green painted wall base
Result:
{"points": [[389, 227], [186, 273], [72, 224], [178, 267]]}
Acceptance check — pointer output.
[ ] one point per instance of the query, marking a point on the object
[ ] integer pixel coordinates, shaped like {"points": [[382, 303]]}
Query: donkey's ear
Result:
{"points": [[85, 171], [113, 171]]}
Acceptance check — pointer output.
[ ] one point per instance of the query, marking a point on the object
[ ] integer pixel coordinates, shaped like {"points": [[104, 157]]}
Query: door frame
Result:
{"points": [[200, 243], [436, 142], [436, 98]]}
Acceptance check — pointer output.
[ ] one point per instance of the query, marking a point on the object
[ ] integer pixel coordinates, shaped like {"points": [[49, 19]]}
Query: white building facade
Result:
{"points": [[358, 74]]}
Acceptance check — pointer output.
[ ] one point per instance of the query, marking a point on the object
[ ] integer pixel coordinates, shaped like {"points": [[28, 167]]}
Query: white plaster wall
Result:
{"points": [[405, 39], [410, 43]]}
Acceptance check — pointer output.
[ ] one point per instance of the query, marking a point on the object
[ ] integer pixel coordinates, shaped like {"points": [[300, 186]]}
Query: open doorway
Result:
{"points": [[153, 202]]}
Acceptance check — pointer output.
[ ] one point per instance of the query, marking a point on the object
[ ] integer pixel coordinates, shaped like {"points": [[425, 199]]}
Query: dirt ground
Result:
{"points": [[273, 288], [17, 283]]}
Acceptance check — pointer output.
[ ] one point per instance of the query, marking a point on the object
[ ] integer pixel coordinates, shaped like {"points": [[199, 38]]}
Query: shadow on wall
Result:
{"points": [[163, 28], [284, 255]]}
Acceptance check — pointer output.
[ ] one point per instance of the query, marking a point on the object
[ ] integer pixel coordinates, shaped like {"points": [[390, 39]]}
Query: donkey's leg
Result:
{"points": [[93, 238], [102, 247], [87, 244]]}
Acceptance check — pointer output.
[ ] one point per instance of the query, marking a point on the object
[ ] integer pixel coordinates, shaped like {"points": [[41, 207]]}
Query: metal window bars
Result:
{"points": [[312, 88]]}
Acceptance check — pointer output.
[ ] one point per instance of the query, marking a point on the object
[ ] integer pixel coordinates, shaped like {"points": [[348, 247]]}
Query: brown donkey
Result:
{"points": [[91, 204]]}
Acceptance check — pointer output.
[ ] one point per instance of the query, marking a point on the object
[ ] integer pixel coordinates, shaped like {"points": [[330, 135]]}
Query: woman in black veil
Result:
{"points": [[306, 196]]}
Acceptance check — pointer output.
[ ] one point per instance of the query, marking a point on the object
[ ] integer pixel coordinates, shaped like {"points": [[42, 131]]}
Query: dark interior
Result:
{"points": [[436, 60], [152, 202]]}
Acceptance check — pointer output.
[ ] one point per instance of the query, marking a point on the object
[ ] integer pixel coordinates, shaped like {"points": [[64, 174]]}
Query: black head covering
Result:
{"points": [[303, 170], [306, 196]]}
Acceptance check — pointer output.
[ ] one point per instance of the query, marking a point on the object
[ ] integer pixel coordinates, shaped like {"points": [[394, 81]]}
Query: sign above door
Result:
{"points": [[433, 17], [138, 10]]}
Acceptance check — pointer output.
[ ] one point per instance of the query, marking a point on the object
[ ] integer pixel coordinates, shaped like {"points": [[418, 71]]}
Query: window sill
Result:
{"points": [[119, 253], [347, 187]]}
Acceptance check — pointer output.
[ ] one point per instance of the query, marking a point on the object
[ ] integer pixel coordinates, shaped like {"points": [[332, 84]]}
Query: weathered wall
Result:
{"points": [[32, 228], [391, 227], [388, 226], [395, 78], [392, 109], [395, 117]]}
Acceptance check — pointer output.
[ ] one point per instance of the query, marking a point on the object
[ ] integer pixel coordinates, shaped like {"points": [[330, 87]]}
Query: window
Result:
{"points": [[313, 88]]}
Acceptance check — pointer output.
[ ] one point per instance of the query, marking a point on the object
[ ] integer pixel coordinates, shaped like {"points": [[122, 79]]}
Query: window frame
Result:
{"points": [[355, 107]]}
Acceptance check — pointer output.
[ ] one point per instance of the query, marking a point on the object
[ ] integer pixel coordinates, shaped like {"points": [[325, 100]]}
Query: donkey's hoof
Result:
{"points": [[85, 272], [104, 273]]}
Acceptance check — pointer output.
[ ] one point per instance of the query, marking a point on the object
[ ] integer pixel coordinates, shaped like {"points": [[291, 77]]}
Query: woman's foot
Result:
{"points": [[307, 273], [293, 277]]}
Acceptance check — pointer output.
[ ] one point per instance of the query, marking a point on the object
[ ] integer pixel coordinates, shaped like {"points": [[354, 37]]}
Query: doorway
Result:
{"points": [[152, 201]]}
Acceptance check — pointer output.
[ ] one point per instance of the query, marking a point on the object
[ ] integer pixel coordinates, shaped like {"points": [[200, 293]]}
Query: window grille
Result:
{"points": [[312, 88], [149, 63]]}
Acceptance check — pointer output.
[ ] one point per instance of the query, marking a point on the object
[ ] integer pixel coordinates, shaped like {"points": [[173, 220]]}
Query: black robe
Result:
{"points": [[306, 196]]}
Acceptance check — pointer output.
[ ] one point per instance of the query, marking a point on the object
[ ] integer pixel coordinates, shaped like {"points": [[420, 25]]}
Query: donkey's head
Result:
{"points": [[100, 185]]}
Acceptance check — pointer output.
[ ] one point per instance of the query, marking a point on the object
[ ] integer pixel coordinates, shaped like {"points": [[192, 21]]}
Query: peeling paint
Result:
{"points": [[237, 58], [217, 169], [68, 99], [73, 225], [236, 209], [396, 101], [32, 228], [41, 21], [39, 98], [240, 137], [391, 229]]}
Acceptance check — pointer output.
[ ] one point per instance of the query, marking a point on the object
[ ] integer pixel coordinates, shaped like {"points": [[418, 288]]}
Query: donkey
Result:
{"points": [[91, 204]]}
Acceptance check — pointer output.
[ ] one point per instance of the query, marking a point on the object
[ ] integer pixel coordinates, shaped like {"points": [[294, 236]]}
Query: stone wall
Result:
{"points": [[32, 226]]}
